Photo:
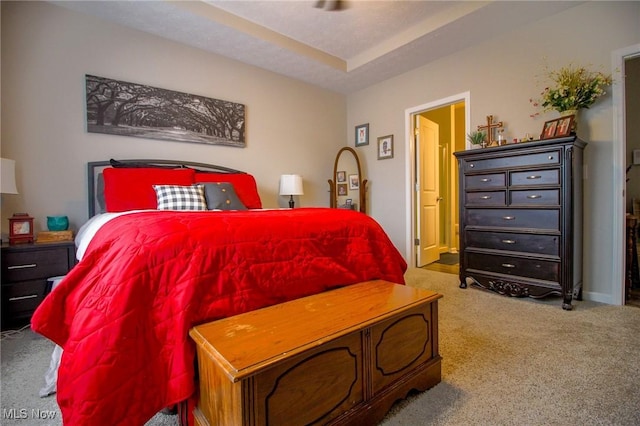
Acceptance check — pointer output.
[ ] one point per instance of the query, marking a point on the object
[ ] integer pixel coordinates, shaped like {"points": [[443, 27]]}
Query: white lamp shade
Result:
{"points": [[8, 175], [291, 185]]}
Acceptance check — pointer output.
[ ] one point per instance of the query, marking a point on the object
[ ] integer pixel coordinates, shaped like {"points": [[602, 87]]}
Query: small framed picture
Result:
{"points": [[549, 129], [348, 202], [362, 135], [385, 147], [354, 182], [342, 189], [564, 126], [341, 176]]}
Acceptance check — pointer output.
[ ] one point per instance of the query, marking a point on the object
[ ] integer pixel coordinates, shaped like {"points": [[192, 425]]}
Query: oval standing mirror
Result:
{"points": [[348, 190]]}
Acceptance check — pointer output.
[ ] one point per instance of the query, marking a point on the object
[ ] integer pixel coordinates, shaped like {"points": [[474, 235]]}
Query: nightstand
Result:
{"points": [[25, 269]]}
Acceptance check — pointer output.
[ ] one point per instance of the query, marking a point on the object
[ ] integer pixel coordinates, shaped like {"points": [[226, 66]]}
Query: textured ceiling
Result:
{"points": [[344, 51]]}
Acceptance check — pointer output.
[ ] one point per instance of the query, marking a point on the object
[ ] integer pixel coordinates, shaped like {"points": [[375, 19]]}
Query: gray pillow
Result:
{"points": [[222, 196]]}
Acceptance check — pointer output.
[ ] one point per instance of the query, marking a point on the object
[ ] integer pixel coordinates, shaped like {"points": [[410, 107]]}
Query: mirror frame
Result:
{"points": [[362, 184]]}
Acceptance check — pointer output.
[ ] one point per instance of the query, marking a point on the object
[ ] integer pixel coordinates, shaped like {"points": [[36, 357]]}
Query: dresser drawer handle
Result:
{"points": [[471, 166], [534, 177], [533, 197], [509, 241], [508, 265], [485, 180], [29, 265], [485, 197], [551, 157], [508, 217], [31, 296]]}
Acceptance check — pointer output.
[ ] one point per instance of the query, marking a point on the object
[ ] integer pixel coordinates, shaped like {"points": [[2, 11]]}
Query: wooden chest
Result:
{"points": [[339, 357], [521, 218]]}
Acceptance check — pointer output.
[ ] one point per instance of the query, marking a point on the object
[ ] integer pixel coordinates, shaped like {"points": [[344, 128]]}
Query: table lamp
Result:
{"points": [[291, 185], [8, 175]]}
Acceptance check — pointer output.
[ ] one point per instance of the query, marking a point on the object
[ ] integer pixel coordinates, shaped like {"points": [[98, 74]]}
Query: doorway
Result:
{"points": [[626, 104], [434, 132]]}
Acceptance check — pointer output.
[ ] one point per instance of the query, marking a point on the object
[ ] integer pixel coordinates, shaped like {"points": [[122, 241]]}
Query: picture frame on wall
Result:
{"points": [[362, 135], [341, 176], [123, 108], [385, 147], [342, 189], [354, 182]]}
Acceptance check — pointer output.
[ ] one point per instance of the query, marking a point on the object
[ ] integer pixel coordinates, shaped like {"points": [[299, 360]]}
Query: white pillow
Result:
{"points": [[177, 197]]}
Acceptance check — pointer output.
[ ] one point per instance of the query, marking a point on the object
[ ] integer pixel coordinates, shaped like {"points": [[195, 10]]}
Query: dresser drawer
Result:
{"points": [[548, 219], [495, 180], [533, 159], [535, 197], [493, 198], [21, 299], [527, 243], [34, 264], [535, 177], [522, 267]]}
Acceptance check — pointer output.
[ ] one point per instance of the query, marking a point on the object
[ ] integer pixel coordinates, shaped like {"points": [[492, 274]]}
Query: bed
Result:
{"points": [[154, 262]]}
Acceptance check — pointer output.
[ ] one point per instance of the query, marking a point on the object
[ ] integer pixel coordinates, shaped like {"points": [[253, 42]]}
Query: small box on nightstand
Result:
{"points": [[52, 236]]}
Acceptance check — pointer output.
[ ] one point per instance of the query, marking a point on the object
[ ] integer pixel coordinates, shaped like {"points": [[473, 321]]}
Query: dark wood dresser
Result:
{"points": [[521, 218], [25, 270]]}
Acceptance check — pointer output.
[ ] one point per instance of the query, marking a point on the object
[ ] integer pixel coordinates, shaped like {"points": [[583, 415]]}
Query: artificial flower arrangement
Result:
{"points": [[574, 88]]}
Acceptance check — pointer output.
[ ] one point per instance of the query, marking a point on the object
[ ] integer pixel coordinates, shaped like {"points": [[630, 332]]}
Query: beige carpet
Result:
{"points": [[505, 362], [513, 361]]}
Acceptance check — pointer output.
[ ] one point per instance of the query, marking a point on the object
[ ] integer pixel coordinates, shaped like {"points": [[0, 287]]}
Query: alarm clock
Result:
{"points": [[20, 228]]}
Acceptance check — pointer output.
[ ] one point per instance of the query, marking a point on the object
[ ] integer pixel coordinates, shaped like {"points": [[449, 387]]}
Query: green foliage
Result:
{"points": [[573, 88], [476, 138]]}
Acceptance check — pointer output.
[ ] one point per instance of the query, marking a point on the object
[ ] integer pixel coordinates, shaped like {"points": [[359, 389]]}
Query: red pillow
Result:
{"points": [[132, 188], [243, 183]]}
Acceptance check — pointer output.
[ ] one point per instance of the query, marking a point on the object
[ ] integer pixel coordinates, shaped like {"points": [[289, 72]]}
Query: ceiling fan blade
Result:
{"points": [[331, 5]]}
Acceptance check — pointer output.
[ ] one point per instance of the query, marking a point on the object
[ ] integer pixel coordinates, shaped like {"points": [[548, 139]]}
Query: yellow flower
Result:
{"points": [[573, 88]]}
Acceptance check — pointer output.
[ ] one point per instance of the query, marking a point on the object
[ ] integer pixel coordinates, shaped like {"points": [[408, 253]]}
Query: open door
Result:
{"points": [[427, 191]]}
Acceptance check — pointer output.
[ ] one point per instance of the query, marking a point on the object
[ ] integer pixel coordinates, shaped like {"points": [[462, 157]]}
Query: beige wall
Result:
{"points": [[46, 51], [501, 76]]}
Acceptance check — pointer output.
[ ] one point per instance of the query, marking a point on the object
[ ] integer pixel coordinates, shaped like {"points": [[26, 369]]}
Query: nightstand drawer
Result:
{"points": [[21, 299], [34, 264]]}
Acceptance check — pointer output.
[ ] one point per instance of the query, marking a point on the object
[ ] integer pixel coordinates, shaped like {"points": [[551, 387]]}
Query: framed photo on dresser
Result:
{"points": [[549, 129], [564, 126]]}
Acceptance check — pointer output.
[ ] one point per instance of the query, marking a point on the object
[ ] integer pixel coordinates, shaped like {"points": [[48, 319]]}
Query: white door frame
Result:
{"points": [[410, 161], [619, 171]]}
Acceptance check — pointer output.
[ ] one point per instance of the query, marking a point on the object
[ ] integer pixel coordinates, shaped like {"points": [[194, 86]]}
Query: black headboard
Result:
{"points": [[94, 172]]}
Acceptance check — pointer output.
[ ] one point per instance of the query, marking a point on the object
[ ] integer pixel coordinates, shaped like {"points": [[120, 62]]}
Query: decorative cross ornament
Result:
{"points": [[489, 128]]}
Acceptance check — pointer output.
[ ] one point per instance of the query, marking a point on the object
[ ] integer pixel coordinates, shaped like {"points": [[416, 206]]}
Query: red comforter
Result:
{"points": [[123, 313]]}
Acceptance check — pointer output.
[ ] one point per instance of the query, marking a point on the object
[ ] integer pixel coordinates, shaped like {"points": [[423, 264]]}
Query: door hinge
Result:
{"points": [[416, 241]]}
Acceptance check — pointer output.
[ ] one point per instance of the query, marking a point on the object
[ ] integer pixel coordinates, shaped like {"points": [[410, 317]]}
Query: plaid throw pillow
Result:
{"points": [[176, 197]]}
